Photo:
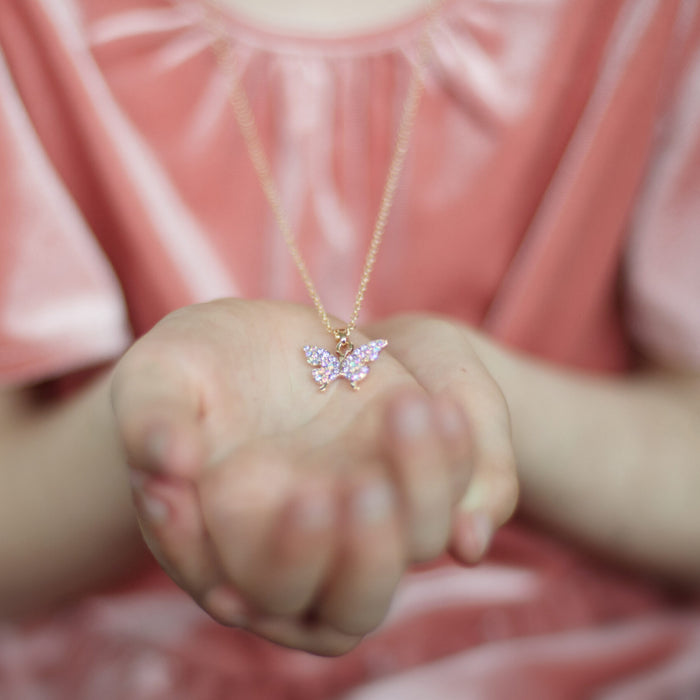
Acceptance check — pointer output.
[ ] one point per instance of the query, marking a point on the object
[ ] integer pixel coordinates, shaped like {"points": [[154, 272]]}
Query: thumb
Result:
{"points": [[492, 495]]}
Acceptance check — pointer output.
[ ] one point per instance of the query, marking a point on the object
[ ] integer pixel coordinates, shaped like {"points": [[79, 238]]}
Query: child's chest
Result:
{"points": [[506, 164]]}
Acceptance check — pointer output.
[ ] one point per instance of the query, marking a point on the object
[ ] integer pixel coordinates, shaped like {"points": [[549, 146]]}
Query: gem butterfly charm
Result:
{"points": [[351, 363]]}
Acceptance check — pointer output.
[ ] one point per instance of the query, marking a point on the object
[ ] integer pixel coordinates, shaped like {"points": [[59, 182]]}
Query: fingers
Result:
{"points": [[457, 435], [370, 560], [294, 539], [171, 524], [158, 415], [457, 373], [273, 526], [429, 448], [229, 608], [299, 553], [492, 495], [316, 638]]}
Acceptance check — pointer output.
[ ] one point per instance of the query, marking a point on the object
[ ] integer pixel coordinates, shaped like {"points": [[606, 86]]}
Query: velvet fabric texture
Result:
{"points": [[551, 196]]}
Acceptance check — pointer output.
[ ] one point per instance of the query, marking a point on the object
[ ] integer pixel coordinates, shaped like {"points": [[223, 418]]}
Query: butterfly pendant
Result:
{"points": [[353, 364]]}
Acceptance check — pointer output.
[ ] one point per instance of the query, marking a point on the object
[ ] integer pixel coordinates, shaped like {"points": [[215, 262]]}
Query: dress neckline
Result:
{"points": [[390, 37]]}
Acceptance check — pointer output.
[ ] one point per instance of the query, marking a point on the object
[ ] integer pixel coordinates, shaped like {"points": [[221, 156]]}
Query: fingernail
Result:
{"points": [[226, 606], [155, 510], [483, 532], [374, 503], [412, 419]]}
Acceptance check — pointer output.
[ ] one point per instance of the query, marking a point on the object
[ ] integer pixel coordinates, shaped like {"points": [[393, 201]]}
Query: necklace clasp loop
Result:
{"points": [[344, 346]]}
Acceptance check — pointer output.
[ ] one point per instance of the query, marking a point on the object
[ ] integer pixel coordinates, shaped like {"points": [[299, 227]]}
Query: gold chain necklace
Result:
{"points": [[349, 362]]}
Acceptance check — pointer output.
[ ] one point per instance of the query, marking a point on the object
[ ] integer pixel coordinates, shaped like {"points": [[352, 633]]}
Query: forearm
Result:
{"points": [[612, 462], [65, 507]]}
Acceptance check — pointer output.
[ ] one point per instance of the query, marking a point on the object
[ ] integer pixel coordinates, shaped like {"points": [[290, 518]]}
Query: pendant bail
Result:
{"points": [[344, 346]]}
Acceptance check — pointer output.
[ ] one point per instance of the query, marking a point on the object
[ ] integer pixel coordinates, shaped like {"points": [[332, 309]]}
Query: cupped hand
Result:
{"points": [[441, 356], [280, 508]]}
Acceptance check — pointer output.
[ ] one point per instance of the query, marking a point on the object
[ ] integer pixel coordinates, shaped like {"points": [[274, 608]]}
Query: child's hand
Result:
{"points": [[439, 353], [289, 511]]}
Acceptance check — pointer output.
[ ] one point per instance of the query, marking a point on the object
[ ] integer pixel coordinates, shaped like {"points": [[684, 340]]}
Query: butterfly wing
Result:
{"points": [[355, 366], [327, 365]]}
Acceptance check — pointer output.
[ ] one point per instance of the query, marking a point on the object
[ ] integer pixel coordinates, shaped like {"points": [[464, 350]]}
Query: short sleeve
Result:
{"points": [[663, 260], [61, 307]]}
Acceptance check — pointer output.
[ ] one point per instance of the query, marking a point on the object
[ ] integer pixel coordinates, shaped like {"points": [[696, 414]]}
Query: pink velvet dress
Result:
{"points": [[551, 196]]}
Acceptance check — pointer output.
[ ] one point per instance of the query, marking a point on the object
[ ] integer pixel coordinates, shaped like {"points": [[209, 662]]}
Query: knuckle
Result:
{"points": [[440, 329]]}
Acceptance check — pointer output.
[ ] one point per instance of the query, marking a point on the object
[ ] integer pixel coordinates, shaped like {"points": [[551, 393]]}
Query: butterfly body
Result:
{"points": [[354, 366]]}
